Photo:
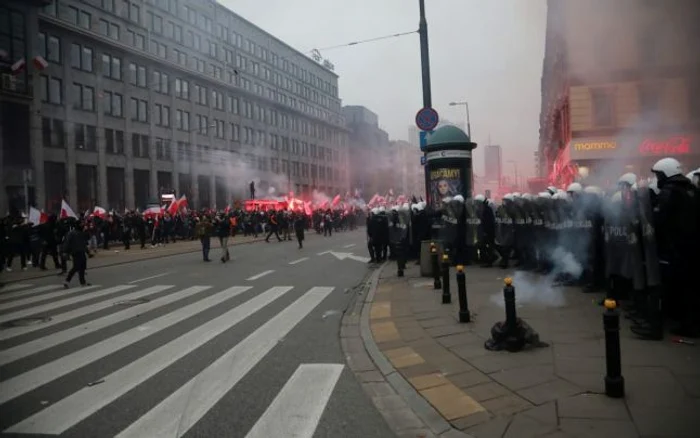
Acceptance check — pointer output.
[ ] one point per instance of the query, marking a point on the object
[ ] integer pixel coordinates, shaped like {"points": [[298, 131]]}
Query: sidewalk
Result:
{"points": [[556, 391], [116, 255]]}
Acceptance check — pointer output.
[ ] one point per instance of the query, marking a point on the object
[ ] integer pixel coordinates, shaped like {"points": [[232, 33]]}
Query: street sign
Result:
{"points": [[423, 137], [422, 160], [427, 119]]}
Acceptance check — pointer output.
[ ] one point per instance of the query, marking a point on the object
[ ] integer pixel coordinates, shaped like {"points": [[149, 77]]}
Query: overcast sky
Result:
{"points": [[488, 52]]}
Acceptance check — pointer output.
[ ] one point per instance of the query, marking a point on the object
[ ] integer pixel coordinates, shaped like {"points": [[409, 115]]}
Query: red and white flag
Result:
{"points": [[40, 63], [99, 212], [153, 211], [37, 217], [18, 66], [66, 211]]}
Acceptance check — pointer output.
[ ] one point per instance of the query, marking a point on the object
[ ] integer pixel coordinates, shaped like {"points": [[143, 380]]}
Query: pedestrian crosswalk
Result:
{"points": [[86, 334]]}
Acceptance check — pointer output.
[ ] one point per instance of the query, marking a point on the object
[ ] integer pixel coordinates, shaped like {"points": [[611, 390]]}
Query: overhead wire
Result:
{"points": [[369, 40]]}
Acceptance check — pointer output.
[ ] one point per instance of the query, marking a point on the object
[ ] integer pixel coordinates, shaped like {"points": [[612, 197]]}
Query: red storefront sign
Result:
{"points": [[679, 145]]}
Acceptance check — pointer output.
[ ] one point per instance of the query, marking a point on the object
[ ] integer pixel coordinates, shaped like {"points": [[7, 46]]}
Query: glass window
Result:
{"points": [[85, 19], [87, 59], [55, 94]]}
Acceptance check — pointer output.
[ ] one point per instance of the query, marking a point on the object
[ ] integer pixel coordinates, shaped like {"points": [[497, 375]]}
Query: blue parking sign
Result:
{"points": [[422, 160]]}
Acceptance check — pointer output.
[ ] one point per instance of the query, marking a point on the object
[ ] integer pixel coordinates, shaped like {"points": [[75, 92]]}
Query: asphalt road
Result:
{"points": [[249, 348]]}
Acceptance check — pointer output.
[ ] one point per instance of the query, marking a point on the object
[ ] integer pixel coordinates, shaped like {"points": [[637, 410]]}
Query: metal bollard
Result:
{"points": [[400, 260], [436, 267], [464, 315], [446, 296], [509, 298], [614, 382]]}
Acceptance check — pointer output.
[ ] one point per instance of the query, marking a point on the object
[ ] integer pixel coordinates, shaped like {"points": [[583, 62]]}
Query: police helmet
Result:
{"points": [[629, 178], [667, 167], [480, 198], [544, 195], [458, 198], [574, 188], [552, 190]]}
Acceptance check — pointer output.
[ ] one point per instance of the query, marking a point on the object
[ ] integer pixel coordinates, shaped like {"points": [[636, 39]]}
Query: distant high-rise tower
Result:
{"points": [[493, 163]]}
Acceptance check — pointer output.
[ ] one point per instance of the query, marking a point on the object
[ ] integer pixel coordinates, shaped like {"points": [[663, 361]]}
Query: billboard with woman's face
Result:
{"points": [[444, 182]]}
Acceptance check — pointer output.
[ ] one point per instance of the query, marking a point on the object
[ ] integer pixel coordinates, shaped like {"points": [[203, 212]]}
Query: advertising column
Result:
{"points": [[449, 174]]}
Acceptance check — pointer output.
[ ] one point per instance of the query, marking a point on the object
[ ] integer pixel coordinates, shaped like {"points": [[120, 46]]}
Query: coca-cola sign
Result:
{"points": [[678, 145]]}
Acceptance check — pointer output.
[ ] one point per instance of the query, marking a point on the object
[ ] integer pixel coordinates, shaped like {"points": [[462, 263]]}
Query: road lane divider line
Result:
{"points": [[69, 411], [298, 407], [67, 301], [58, 338], [43, 374], [175, 415], [260, 275], [295, 262], [149, 278], [349, 246]]}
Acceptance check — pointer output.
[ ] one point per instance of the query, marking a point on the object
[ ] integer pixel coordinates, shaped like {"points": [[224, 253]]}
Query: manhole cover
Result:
{"points": [[23, 322], [132, 302]]}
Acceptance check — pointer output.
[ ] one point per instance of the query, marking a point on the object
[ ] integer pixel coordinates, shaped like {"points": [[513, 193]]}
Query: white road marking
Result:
{"points": [[66, 413], [34, 310], [260, 275], [18, 385], [11, 304], [324, 252], [349, 255], [303, 259], [81, 311], [298, 407], [349, 246], [149, 278], [175, 415], [37, 345], [13, 287]]}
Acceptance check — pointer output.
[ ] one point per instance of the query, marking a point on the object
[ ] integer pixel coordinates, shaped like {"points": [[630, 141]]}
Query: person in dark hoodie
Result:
{"points": [[75, 244], [676, 219], [299, 226]]}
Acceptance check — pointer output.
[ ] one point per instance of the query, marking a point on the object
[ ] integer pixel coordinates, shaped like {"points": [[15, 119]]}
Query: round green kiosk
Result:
{"points": [[448, 165]]}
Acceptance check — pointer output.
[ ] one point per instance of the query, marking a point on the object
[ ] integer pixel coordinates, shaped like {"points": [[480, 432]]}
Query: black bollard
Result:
{"points": [[400, 260], [509, 298], [614, 382], [436, 267], [446, 296], [464, 315]]}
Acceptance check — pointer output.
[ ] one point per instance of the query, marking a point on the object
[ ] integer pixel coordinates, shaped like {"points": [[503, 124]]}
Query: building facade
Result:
{"points": [[369, 151], [407, 173], [144, 96], [620, 88]]}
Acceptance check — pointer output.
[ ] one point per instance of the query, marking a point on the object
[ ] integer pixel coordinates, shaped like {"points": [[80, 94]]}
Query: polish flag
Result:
{"points": [[40, 63], [37, 217], [153, 211], [336, 200], [99, 212], [66, 211], [18, 66]]}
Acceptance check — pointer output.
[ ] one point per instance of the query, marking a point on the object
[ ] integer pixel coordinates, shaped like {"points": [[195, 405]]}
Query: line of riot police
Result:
{"points": [[637, 242]]}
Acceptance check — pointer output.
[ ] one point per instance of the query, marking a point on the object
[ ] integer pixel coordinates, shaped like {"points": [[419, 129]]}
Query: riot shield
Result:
{"points": [[505, 231], [472, 218], [646, 222]]}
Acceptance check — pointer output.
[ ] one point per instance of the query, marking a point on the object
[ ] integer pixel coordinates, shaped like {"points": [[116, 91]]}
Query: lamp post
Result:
{"points": [[466, 105]]}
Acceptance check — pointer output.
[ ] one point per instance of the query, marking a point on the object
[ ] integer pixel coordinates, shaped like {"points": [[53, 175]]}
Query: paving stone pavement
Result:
{"points": [[116, 255], [554, 391]]}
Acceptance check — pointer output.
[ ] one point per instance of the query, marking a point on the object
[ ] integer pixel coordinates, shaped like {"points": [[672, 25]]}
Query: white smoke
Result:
{"points": [[533, 290], [565, 263]]}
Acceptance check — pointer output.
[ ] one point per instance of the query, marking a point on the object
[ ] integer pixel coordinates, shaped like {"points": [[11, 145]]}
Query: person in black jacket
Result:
{"points": [[75, 245], [223, 231], [299, 225], [676, 217]]}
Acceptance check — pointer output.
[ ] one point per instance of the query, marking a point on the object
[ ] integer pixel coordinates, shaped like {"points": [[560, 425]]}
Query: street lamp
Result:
{"points": [[466, 105]]}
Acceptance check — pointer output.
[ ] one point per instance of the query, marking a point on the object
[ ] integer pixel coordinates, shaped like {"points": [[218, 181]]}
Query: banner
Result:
{"points": [[444, 182]]}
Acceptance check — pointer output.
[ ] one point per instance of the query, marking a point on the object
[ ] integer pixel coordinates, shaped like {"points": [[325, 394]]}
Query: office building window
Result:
{"points": [[52, 132], [220, 129], [113, 104], [161, 82], [163, 150], [200, 95], [49, 48], [138, 110], [109, 29], [114, 142], [159, 49], [85, 137], [182, 89], [137, 75], [155, 22], [139, 145], [112, 67], [81, 57], [235, 132], [162, 115], [602, 107], [137, 40], [134, 12], [84, 97], [217, 99], [182, 120], [202, 124]]}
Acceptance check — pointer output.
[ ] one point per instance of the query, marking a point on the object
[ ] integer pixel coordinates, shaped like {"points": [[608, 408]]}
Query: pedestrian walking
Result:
{"points": [[203, 231], [223, 231], [75, 245]]}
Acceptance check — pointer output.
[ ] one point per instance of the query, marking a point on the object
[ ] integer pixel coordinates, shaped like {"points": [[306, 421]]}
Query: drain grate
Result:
{"points": [[23, 322], [132, 302]]}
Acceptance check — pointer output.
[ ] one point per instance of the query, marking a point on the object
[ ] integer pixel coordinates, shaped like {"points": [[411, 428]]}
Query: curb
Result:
{"points": [[126, 262], [424, 410]]}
